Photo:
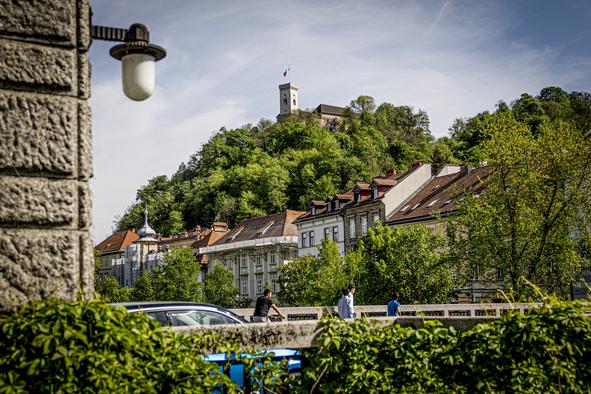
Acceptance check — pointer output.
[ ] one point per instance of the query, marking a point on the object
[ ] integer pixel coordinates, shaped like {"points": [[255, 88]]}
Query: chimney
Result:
{"points": [[391, 172], [416, 164]]}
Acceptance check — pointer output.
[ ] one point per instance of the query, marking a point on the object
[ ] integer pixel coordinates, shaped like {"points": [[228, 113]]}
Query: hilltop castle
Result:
{"points": [[328, 116]]}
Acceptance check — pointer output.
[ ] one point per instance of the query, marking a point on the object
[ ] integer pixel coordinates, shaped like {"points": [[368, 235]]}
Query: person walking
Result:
{"points": [[346, 303], [351, 289], [343, 305], [261, 309], [394, 305]]}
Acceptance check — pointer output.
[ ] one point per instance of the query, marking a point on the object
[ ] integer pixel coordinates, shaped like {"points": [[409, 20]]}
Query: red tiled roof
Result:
{"points": [[274, 225], [209, 238], [116, 242], [361, 186], [439, 195], [384, 181]]}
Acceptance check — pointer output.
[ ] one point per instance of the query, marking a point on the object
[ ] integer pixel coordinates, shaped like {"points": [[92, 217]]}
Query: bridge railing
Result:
{"points": [[442, 310]]}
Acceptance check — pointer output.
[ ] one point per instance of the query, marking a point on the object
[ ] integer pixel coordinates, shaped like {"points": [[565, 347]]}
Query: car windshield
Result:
{"points": [[198, 318]]}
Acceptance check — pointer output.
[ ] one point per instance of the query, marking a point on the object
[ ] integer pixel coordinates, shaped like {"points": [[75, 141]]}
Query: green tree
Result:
{"points": [[177, 278], [218, 287], [407, 259], [316, 280], [143, 288], [534, 207], [109, 290]]}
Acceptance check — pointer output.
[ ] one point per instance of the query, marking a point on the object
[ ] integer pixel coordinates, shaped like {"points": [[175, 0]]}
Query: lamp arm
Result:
{"points": [[106, 33]]}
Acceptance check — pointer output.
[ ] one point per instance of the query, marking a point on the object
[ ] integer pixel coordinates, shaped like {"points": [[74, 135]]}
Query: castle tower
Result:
{"points": [[288, 100]]}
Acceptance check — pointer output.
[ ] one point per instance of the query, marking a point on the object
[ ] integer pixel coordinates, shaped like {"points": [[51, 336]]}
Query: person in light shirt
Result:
{"points": [[346, 305]]}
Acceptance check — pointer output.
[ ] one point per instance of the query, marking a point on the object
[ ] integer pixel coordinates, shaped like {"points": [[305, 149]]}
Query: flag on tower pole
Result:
{"points": [[288, 69]]}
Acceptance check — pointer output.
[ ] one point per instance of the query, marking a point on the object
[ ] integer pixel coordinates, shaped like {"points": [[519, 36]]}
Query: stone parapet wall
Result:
{"points": [[45, 150], [304, 334]]}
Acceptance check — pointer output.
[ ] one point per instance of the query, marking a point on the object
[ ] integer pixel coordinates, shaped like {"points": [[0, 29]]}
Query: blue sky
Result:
{"points": [[226, 58]]}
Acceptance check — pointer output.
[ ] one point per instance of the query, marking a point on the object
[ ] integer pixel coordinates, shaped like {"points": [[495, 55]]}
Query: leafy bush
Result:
{"points": [[56, 346], [91, 347], [547, 350]]}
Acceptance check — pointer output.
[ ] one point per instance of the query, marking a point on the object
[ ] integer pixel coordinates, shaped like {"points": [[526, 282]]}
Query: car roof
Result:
{"points": [[160, 304]]}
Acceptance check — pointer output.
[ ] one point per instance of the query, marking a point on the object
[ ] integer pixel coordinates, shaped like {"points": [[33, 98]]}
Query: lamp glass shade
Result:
{"points": [[139, 74]]}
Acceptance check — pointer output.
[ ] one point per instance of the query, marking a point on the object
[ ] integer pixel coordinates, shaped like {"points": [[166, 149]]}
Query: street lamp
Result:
{"points": [[137, 57]]}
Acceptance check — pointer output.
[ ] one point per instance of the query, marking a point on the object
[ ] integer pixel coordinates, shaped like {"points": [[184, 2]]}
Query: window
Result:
{"points": [[335, 233], [258, 258], [259, 283], [363, 225], [352, 227], [327, 233], [243, 285], [312, 210], [312, 240], [294, 102], [376, 217], [431, 203], [198, 318], [415, 206], [304, 240], [273, 280], [273, 258], [160, 317], [356, 196], [374, 193], [336, 205], [243, 261], [500, 275]]}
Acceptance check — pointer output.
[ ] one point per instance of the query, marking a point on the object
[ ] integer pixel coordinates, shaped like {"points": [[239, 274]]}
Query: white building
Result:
{"points": [[345, 218], [254, 250]]}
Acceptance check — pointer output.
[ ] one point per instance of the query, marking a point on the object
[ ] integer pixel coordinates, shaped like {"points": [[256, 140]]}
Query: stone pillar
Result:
{"points": [[45, 151]]}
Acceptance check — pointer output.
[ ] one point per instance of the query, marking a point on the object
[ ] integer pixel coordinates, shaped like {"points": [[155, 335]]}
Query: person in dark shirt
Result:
{"points": [[394, 305], [261, 309]]}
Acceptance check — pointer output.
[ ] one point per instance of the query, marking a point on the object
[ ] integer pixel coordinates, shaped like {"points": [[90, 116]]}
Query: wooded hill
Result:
{"points": [[266, 168]]}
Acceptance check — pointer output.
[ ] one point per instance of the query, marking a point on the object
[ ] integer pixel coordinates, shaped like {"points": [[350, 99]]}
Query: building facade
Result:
{"points": [[254, 250], [345, 218], [125, 255], [113, 248], [322, 221], [377, 200]]}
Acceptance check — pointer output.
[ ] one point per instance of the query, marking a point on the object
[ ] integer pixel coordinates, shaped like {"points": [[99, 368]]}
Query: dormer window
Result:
{"points": [[328, 206], [336, 205], [313, 210], [356, 195], [374, 192]]}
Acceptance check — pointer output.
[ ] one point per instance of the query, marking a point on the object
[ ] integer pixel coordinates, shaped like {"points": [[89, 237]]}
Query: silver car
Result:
{"points": [[178, 314]]}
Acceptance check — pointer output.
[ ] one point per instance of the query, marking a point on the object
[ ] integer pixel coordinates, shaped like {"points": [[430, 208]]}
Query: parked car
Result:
{"points": [[178, 314]]}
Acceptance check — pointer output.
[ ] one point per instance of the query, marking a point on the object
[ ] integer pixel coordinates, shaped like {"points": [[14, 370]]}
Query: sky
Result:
{"points": [[225, 60]]}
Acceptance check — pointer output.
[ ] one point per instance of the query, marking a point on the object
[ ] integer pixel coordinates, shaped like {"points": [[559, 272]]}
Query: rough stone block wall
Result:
{"points": [[45, 151]]}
